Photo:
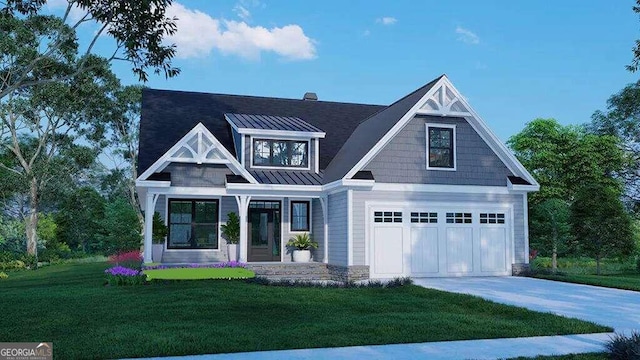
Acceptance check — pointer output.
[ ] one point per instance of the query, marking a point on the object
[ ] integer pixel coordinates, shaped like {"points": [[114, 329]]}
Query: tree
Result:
{"points": [[121, 229], [35, 42], [563, 158], [622, 119], [550, 227], [79, 218], [600, 223], [635, 62]]}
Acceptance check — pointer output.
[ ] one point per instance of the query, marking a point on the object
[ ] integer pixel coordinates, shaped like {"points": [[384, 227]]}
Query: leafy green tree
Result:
{"points": [[38, 42], [635, 62], [121, 229], [550, 228], [622, 119], [79, 219], [563, 158], [601, 225]]}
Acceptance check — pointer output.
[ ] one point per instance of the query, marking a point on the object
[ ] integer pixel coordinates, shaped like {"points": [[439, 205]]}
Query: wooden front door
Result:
{"points": [[264, 231]]}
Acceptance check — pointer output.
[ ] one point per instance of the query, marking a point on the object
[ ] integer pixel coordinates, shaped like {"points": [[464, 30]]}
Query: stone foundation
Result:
{"points": [[520, 269], [310, 271]]}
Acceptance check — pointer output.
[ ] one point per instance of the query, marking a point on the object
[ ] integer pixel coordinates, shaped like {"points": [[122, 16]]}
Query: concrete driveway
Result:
{"points": [[619, 309]]}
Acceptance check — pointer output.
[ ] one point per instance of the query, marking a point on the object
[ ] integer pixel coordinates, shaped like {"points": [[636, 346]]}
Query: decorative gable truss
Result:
{"points": [[443, 99], [198, 146]]}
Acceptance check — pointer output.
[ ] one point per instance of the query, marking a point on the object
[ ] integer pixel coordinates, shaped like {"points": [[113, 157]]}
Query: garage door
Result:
{"points": [[430, 241]]}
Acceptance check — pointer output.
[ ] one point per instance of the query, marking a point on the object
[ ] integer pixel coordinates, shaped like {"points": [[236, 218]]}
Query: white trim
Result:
{"points": [[187, 197], [251, 140], [199, 130], [324, 203], [278, 187], [474, 120], [349, 227], [291, 134], [243, 156], [153, 183], [526, 188], [455, 149], [525, 217], [310, 214], [437, 188], [316, 156], [440, 113], [513, 237], [342, 184]]}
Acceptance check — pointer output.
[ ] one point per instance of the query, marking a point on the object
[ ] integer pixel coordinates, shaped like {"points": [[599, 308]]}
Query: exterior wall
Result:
{"points": [[404, 158], [317, 229], [198, 175], [359, 214], [338, 223]]}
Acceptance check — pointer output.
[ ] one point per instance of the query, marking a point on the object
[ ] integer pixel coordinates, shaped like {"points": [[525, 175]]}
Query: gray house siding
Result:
{"points": [[198, 175], [317, 229], [359, 213], [338, 253], [404, 158]]}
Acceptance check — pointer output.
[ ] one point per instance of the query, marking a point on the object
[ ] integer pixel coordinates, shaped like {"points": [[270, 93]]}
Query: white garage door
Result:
{"points": [[431, 241]]}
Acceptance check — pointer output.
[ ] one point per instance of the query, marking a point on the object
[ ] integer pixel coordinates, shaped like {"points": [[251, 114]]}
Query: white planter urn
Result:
{"points": [[301, 256], [232, 252], [156, 252]]}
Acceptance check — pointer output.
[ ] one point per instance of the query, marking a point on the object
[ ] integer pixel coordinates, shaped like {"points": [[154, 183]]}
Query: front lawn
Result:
{"points": [[69, 305], [619, 281], [198, 273]]}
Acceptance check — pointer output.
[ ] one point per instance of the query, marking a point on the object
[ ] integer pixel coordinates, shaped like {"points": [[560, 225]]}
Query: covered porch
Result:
{"points": [[268, 219]]}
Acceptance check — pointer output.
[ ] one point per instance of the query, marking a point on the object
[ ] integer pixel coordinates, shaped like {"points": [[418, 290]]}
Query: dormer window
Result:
{"points": [[280, 153]]}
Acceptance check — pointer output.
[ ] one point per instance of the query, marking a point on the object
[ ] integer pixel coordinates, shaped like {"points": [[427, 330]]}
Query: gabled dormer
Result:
{"points": [[268, 142]]}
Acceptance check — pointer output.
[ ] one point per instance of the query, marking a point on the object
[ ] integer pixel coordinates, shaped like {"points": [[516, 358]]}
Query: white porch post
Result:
{"points": [[149, 208], [324, 202], [243, 208]]}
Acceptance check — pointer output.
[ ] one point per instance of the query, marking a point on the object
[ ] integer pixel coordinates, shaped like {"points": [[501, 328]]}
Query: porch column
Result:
{"points": [[243, 208], [324, 202], [149, 209]]}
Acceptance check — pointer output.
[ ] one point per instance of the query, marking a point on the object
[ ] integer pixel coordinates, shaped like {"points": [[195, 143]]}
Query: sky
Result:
{"points": [[514, 61]]}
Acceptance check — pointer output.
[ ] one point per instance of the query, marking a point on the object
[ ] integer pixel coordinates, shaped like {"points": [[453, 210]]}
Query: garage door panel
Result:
{"points": [[493, 249], [424, 250], [459, 242], [388, 250]]}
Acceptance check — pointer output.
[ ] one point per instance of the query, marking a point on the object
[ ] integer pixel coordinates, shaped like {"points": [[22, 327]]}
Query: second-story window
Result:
{"points": [[280, 153]]}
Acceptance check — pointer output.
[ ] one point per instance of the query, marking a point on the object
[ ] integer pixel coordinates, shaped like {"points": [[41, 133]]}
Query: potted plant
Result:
{"points": [[158, 235], [231, 231], [303, 245]]}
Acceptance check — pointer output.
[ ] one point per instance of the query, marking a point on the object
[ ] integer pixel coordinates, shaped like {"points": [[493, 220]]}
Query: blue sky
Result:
{"points": [[513, 60]]}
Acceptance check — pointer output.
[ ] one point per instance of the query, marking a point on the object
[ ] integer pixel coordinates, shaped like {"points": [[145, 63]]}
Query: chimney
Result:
{"points": [[310, 96]]}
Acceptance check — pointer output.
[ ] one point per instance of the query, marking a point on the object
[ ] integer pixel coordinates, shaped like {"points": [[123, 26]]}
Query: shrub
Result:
{"points": [[231, 230], [120, 275], [394, 283], [159, 230], [302, 242], [131, 259], [3, 275], [622, 347]]}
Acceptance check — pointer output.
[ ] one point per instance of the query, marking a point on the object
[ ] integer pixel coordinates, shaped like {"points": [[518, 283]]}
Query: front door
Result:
{"points": [[264, 231]]}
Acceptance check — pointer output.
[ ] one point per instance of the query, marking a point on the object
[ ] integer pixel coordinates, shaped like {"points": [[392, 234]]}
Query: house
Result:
{"points": [[421, 187]]}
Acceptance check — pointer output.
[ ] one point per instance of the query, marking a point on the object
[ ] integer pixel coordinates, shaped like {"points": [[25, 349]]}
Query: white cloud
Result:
{"points": [[387, 20], [199, 34], [75, 14], [242, 12], [366, 33], [467, 36]]}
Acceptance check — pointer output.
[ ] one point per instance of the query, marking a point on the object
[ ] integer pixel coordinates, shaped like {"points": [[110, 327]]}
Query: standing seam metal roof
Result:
{"points": [[270, 122]]}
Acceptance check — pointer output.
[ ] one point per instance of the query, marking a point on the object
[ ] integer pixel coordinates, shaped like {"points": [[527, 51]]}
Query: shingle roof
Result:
{"points": [[270, 122], [168, 115], [287, 177], [369, 132]]}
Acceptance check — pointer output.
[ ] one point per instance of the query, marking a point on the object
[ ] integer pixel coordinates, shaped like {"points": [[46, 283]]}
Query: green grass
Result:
{"points": [[619, 281], [69, 305], [198, 273]]}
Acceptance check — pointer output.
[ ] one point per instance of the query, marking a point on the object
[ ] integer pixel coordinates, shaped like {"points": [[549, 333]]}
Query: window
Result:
{"points": [[300, 213], [193, 224], [441, 147], [387, 216], [458, 218], [491, 218], [280, 153], [424, 217]]}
